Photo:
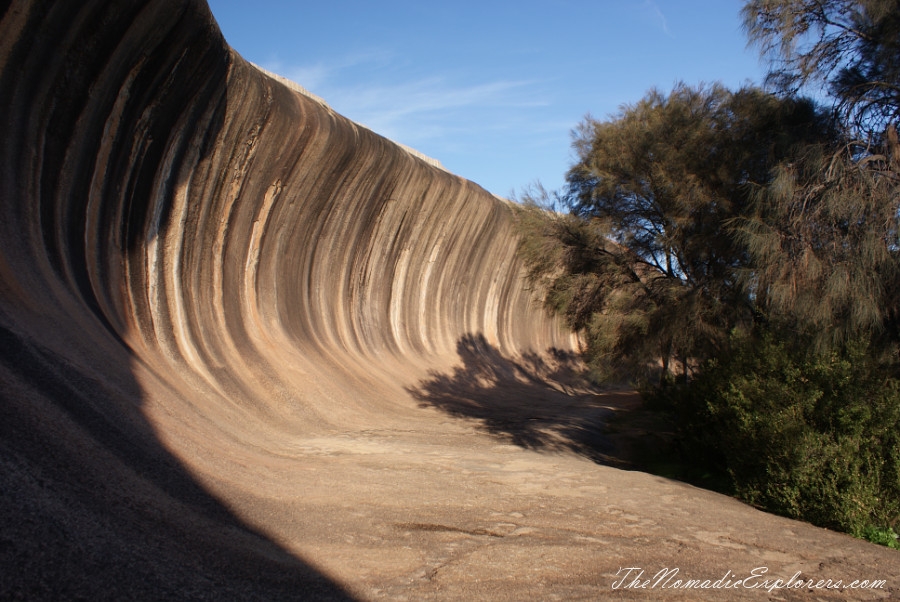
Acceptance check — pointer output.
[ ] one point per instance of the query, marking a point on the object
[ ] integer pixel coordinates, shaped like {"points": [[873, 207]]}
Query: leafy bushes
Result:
{"points": [[707, 212], [812, 437]]}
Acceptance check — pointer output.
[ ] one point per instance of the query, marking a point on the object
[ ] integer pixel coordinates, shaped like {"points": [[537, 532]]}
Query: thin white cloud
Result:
{"points": [[320, 75], [411, 111], [419, 110], [658, 17], [431, 95], [310, 77]]}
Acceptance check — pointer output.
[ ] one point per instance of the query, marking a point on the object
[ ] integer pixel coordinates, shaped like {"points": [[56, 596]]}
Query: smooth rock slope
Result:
{"points": [[252, 350]]}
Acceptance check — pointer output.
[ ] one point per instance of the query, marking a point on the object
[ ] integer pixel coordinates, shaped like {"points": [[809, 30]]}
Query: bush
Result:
{"points": [[885, 537], [810, 437]]}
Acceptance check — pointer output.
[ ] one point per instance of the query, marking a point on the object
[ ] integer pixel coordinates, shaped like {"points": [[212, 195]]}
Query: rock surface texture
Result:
{"points": [[252, 350]]}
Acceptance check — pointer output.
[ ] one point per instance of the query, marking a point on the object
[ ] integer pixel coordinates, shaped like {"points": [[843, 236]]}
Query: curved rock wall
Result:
{"points": [[161, 190], [198, 266], [250, 350]]}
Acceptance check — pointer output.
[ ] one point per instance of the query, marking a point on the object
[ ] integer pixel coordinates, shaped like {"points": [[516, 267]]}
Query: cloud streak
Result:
{"points": [[657, 15], [413, 111], [391, 107]]}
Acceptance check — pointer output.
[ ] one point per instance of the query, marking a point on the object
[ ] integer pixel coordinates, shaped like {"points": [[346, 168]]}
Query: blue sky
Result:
{"points": [[491, 89]]}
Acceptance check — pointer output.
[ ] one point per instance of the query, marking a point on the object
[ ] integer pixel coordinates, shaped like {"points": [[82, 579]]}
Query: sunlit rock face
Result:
{"points": [[250, 350], [161, 191], [199, 266]]}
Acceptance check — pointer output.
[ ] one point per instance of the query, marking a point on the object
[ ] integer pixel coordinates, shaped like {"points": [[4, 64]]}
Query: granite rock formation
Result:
{"points": [[252, 350]]}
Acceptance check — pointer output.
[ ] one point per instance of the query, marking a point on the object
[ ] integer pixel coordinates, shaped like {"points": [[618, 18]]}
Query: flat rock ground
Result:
{"points": [[503, 490], [250, 350]]}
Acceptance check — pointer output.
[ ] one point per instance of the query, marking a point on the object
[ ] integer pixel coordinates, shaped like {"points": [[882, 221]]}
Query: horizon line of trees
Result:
{"points": [[743, 246]]}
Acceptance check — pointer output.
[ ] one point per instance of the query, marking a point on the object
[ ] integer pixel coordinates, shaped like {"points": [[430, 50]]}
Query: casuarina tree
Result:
{"points": [[646, 264]]}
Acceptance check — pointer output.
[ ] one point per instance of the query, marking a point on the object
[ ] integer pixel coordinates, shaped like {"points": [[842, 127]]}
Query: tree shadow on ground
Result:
{"points": [[542, 402]]}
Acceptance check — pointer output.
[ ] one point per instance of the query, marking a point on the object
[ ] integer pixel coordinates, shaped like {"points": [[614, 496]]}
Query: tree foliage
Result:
{"points": [[754, 239], [646, 265], [809, 436], [824, 245], [824, 237], [851, 46]]}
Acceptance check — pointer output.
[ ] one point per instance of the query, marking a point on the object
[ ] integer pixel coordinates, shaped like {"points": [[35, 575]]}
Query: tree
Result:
{"points": [[824, 238], [754, 239], [852, 46], [646, 265], [815, 437]]}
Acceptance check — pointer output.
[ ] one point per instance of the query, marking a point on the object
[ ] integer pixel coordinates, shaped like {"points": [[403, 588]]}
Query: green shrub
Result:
{"points": [[810, 437], [885, 537]]}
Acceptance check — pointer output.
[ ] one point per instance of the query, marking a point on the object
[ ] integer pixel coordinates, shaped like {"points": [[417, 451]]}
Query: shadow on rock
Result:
{"points": [[103, 107], [535, 401]]}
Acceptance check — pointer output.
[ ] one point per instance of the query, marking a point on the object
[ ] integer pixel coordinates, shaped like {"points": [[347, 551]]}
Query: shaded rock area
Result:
{"points": [[250, 350]]}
